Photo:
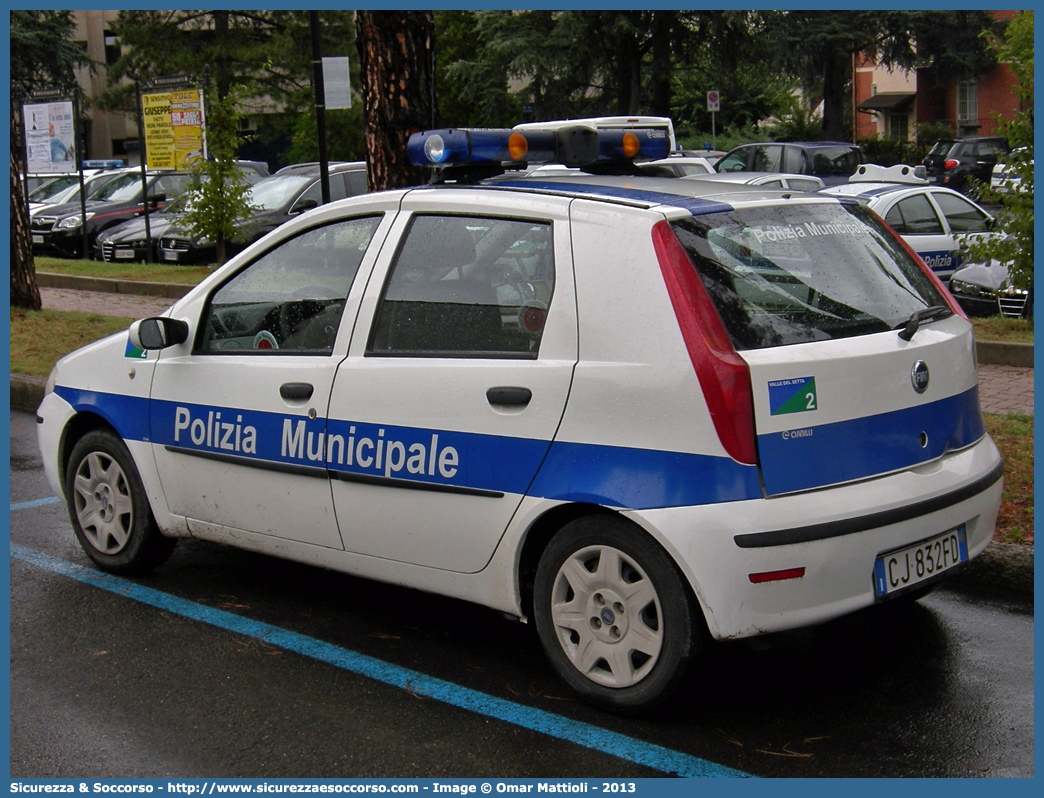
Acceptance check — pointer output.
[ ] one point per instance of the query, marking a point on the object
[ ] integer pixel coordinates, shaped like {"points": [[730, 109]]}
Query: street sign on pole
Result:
{"points": [[714, 105]]}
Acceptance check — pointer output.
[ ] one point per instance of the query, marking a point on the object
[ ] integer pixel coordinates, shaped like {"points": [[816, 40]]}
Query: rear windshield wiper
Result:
{"points": [[912, 324]]}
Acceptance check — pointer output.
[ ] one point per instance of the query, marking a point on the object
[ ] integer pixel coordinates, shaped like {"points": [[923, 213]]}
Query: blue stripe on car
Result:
{"points": [[816, 456]]}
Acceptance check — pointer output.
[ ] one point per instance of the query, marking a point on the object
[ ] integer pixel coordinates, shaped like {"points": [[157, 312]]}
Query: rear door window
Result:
{"points": [[961, 215], [467, 286], [776, 278], [914, 216], [767, 158]]}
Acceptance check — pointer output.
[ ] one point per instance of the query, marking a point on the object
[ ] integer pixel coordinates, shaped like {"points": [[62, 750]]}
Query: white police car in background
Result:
{"points": [[931, 218], [636, 410]]}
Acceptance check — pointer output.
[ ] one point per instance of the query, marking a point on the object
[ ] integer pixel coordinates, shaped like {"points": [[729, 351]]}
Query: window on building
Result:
{"points": [[112, 48], [967, 104], [898, 127]]}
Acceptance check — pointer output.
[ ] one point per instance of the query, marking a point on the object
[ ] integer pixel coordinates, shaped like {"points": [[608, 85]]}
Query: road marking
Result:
{"points": [[587, 735], [34, 503]]}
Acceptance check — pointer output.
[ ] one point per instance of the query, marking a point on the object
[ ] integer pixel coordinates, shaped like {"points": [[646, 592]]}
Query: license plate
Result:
{"points": [[906, 567], [124, 253], [37, 239], [168, 255]]}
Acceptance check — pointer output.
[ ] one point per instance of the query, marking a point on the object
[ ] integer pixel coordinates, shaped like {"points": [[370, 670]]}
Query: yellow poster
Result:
{"points": [[173, 129]]}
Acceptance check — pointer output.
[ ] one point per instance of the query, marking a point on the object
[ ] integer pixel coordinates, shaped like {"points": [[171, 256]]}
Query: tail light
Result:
{"points": [[723, 375], [950, 163]]}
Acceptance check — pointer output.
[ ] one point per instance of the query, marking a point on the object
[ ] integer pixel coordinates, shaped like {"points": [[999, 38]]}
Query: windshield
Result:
{"points": [[274, 192], [805, 272], [52, 188], [121, 189], [834, 160]]}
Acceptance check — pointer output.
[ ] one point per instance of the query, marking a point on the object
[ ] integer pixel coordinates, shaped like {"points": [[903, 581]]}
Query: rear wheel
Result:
{"points": [[613, 614], [108, 507]]}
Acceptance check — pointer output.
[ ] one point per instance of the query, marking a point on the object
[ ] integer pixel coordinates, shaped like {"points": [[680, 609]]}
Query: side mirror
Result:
{"points": [[158, 332], [304, 205], [156, 199]]}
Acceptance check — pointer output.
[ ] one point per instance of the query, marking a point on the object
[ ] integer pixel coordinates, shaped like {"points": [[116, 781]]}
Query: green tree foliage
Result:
{"points": [[43, 55], [218, 202], [1014, 245]]}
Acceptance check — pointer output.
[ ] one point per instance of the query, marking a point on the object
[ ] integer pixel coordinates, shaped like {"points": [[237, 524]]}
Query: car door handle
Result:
{"points": [[296, 390], [509, 396]]}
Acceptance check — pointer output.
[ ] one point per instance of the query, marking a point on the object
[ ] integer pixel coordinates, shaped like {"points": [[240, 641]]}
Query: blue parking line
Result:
{"points": [[640, 752], [34, 503]]}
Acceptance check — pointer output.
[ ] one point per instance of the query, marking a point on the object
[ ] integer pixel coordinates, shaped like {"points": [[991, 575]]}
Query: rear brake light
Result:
{"points": [[723, 375], [949, 163]]}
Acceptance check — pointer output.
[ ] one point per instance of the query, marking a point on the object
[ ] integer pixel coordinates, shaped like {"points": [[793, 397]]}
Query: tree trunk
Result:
{"points": [[24, 292], [660, 70], [836, 68], [396, 58]]}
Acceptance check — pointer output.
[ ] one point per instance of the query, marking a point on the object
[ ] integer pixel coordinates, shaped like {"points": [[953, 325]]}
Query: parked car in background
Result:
{"points": [[951, 162], [985, 289], [930, 218], [832, 161], [58, 229], [280, 197], [128, 241], [1004, 180]]}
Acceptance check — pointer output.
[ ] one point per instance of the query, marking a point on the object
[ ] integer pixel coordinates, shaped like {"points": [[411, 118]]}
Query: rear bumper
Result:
{"points": [[834, 535]]}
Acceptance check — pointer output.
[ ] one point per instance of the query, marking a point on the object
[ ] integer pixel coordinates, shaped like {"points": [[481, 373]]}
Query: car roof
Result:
{"points": [[312, 168], [703, 196]]}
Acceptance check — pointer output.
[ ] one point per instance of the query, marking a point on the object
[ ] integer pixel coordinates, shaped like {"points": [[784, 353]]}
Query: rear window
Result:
{"points": [[941, 147], [834, 160], [804, 272]]}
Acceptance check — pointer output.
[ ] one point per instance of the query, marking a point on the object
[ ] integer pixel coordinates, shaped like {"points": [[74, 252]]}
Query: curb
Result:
{"points": [[1006, 567], [110, 286], [1004, 353]]}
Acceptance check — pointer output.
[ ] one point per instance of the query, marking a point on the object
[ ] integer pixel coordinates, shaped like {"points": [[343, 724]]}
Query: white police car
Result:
{"points": [[931, 218], [636, 410]]}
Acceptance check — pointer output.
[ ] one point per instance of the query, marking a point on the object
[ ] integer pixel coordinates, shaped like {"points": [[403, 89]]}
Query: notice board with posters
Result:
{"points": [[173, 128], [50, 136]]}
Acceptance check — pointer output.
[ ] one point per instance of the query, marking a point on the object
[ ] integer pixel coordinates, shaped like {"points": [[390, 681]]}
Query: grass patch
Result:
{"points": [[1013, 434], [999, 328], [148, 272], [40, 338]]}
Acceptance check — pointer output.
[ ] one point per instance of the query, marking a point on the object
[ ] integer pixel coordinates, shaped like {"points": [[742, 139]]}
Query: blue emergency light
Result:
{"points": [[498, 149]]}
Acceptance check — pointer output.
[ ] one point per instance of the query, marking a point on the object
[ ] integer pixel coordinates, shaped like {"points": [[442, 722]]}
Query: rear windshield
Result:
{"points": [[834, 160], [941, 147], [791, 274]]}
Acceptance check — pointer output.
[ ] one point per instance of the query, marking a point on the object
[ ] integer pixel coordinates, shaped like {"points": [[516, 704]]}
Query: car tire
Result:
{"points": [[109, 508], [613, 614]]}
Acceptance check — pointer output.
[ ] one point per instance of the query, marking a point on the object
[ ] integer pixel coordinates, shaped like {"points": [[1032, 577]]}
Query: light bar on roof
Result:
{"points": [[574, 146]]}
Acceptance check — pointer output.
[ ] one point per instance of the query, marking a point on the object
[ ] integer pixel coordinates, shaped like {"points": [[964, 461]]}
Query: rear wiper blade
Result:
{"points": [[912, 324]]}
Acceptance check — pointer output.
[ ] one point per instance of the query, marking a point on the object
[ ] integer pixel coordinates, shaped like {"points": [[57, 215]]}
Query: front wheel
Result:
{"points": [[108, 507], [613, 614]]}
